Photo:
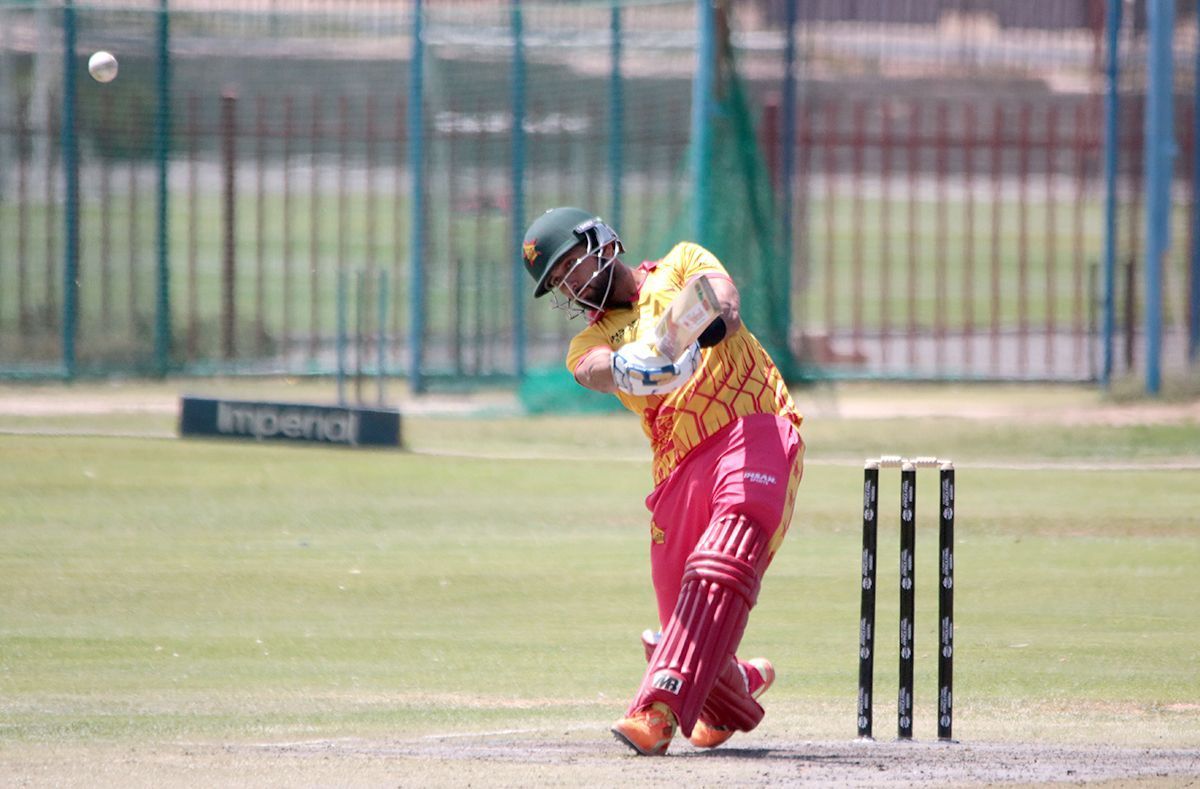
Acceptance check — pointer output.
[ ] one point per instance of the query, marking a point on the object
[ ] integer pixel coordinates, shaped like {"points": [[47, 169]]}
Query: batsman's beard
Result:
{"points": [[586, 297], [596, 295]]}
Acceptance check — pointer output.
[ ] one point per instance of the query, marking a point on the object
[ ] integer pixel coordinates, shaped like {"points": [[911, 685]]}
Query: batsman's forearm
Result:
{"points": [[730, 303], [595, 372]]}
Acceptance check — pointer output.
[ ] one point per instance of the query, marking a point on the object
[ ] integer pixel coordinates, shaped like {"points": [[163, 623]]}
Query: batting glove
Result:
{"points": [[638, 369]]}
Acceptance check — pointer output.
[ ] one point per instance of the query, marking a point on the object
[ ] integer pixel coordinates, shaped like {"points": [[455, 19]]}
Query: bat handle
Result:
{"points": [[664, 347]]}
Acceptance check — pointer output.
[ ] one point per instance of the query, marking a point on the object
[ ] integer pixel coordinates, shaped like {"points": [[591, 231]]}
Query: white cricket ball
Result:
{"points": [[102, 66]]}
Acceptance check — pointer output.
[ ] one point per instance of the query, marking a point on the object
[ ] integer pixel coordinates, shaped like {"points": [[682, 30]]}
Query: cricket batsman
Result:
{"points": [[727, 460]]}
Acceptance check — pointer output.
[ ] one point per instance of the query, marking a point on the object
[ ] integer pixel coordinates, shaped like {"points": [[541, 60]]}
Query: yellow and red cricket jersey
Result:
{"points": [[736, 377]]}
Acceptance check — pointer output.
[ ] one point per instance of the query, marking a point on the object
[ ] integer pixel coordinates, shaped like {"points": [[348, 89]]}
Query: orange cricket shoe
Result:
{"points": [[647, 731], [759, 674]]}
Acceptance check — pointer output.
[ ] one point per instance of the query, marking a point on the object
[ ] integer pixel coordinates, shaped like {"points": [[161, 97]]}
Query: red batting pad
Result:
{"points": [[720, 585], [729, 703]]}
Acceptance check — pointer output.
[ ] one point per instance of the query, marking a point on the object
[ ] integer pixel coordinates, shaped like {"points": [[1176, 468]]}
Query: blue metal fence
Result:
{"points": [[195, 215]]}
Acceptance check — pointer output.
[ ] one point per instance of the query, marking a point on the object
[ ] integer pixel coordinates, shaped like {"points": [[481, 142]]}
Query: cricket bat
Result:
{"points": [[686, 318]]}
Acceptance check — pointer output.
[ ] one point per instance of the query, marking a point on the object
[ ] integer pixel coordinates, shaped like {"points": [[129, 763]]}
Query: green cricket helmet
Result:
{"points": [[557, 232]]}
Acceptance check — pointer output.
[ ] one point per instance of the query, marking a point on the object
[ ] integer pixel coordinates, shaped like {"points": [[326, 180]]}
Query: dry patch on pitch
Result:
{"points": [[585, 756], [589, 759]]}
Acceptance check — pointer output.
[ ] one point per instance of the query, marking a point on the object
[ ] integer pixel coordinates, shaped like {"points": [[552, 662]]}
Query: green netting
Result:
{"points": [[552, 390], [742, 224]]}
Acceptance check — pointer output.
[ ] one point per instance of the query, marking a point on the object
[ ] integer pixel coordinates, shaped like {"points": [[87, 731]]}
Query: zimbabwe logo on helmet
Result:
{"points": [[529, 248]]}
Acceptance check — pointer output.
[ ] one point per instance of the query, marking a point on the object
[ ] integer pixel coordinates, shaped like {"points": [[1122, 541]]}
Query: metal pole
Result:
{"points": [[381, 338], [416, 165], [162, 146], [616, 121], [702, 112], [1159, 152], [1194, 252], [360, 341], [518, 188], [70, 150], [340, 341], [1111, 148], [789, 170], [229, 223]]}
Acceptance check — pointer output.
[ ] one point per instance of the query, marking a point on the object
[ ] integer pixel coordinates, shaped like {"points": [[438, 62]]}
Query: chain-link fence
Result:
{"points": [[934, 170]]}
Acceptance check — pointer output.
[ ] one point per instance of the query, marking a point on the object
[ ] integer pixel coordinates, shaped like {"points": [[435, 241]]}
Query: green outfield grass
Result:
{"points": [[495, 578]]}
